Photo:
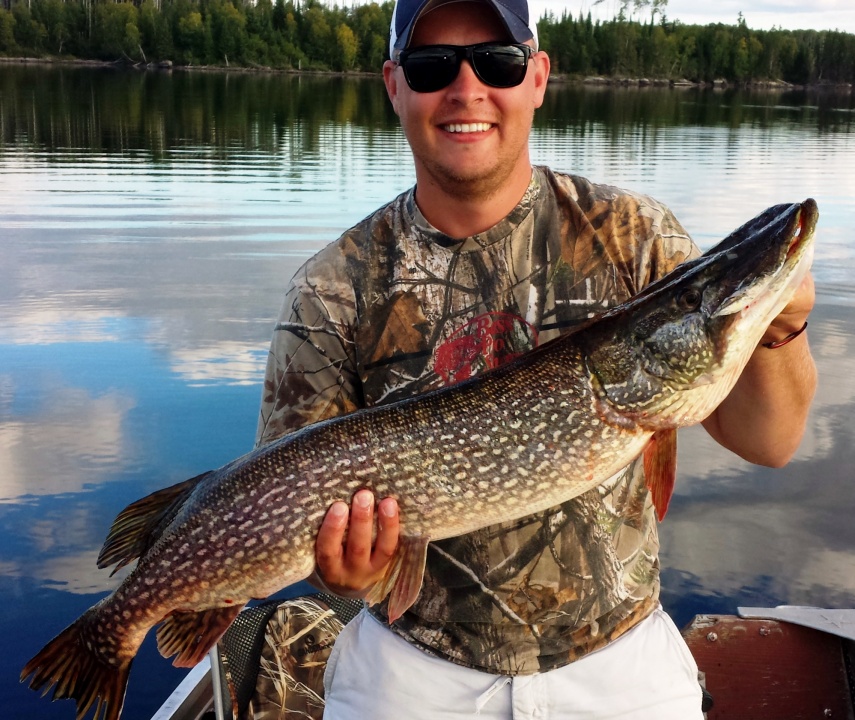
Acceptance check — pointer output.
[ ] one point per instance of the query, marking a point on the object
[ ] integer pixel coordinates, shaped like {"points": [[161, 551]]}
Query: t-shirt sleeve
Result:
{"points": [[672, 245], [628, 236], [311, 372]]}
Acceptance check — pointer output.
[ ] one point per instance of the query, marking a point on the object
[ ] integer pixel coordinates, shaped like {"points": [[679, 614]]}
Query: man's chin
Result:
{"points": [[469, 182]]}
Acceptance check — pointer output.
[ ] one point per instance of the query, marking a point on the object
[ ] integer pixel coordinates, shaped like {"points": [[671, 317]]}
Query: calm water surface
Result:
{"points": [[149, 224]]}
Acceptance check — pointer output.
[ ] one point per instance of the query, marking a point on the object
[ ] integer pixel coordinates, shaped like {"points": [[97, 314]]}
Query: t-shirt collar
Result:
{"points": [[502, 229]]}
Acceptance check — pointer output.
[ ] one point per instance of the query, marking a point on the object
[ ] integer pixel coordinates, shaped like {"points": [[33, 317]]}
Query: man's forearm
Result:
{"points": [[763, 419]]}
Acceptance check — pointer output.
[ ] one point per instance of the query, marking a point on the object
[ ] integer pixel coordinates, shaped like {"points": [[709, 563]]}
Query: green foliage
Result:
{"points": [[115, 32], [192, 37], [228, 25], [30, 34], [155, 31], [639, 42], [52, 15], [658, 48], [7, 32], [346, 48]]}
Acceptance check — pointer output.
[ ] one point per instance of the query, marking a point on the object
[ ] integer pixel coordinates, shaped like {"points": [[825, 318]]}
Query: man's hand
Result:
{"points": [[793, 317], [347, 563], [763, 419]]}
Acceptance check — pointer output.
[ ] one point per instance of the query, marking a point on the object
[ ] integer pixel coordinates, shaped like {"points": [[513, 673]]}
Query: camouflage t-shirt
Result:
{"points": [[394, 308]]}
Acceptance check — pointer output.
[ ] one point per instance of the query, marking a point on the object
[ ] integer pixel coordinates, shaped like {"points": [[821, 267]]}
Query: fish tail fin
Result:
{"points": [[660, 469], [190, 635], [140, 524], [79, 673]]}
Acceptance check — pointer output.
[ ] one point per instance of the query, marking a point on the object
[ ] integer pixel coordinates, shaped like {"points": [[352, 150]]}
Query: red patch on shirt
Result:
{"points": [[484, 343]]}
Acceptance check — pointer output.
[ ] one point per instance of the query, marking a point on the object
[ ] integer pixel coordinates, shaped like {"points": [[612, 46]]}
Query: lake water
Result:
{"points": [[150, 222]]}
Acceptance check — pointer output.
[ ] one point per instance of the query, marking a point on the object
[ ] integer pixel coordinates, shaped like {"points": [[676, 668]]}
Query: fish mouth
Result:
{"points": [[771, 287], [806, 224]]}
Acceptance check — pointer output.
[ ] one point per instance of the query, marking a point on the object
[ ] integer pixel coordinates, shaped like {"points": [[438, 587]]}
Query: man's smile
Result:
{"points": [[473, 127]]}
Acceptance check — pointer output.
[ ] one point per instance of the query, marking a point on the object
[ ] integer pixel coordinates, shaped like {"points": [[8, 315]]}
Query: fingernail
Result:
{"points": [[363, 498], [388, 508], [338, 510]]}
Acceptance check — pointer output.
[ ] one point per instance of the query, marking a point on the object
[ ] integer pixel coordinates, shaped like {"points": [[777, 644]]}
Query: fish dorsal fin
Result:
{"points": [[137, 526], [190, 635], [403, 578], [660, 468]]}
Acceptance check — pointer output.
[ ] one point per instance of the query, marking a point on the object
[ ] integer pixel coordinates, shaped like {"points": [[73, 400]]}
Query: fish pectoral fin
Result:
{"points": [[403, 578], [190, 635], [660, 468], [136, 527]]}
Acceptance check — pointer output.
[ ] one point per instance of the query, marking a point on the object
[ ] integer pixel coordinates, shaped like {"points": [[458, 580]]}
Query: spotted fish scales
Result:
{"points": [[538, 431]]}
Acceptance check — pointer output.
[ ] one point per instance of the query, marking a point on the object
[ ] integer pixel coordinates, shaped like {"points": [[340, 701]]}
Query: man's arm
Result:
{"points": [[763, 418]]}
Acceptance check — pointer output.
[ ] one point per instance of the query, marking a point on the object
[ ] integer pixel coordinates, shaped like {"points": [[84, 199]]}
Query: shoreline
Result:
{"points": [[591, 80]]}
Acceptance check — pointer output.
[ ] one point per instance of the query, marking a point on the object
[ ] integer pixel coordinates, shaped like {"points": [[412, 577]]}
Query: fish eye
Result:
{"points": [[689, 299]]}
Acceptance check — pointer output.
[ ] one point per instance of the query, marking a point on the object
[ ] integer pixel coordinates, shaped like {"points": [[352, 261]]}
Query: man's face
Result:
{"points": [[468, 138]]}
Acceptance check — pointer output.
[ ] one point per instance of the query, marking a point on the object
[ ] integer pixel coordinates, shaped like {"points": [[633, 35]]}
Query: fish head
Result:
{"points": [[671, 354]]}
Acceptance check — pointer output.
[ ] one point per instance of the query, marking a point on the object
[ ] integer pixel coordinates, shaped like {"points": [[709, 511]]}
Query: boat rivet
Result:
{"points": [[712, 637], [764, 631]]}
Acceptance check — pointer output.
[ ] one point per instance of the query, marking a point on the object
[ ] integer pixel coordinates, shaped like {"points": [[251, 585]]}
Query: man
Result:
{"points": [[555, 614]]}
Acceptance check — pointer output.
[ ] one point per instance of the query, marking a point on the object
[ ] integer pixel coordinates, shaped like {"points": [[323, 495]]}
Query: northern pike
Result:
{"points": [[513, 441]]}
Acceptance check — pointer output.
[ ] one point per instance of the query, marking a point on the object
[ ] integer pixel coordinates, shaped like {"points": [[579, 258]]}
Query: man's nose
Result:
{"points": [[466, 85]]}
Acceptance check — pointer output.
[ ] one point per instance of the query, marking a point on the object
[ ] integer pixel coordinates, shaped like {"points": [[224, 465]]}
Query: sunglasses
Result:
{"points": [[433, 67]]}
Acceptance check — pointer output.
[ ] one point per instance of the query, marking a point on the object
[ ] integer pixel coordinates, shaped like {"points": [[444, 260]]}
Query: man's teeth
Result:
{"points": [[467, 127]]}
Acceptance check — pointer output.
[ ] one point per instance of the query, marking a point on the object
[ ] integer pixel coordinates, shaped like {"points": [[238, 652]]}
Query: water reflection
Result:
{"points": [[64, 445], [150, 222], [113, 111]]}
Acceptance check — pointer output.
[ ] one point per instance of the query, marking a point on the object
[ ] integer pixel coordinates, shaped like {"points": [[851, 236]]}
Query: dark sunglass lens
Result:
{"points": [[501, 66], [430, 69]]}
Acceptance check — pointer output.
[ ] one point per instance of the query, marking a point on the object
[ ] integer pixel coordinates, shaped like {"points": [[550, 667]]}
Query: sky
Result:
{"points": [[758, 14]]}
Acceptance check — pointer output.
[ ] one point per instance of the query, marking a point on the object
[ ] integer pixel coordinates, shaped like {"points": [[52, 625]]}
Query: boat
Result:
{"points": [[787, 662], [783, 663]]}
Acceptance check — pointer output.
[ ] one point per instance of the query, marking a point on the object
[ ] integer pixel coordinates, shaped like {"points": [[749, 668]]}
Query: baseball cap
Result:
{"points": [[514, 15]]}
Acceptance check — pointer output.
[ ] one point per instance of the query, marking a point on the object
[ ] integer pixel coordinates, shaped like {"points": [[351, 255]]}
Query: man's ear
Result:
{"points": [[390, 78], [541, 76]]}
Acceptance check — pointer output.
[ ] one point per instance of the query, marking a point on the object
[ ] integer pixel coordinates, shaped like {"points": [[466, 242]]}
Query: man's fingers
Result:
{"points": [[348, 556], [800, 305], [328, 544], [387, 533], [793, 317], [361, 530]]}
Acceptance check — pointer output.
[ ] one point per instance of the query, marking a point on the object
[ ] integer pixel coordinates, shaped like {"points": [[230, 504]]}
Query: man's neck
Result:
{"points": [[460, 212]]}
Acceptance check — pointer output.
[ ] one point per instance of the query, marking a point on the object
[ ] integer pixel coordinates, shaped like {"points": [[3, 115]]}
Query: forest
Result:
{"points": [[312, 35]]}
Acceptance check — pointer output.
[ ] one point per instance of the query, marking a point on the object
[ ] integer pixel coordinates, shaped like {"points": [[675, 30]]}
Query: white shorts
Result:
{"points": [[646, 674]]}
